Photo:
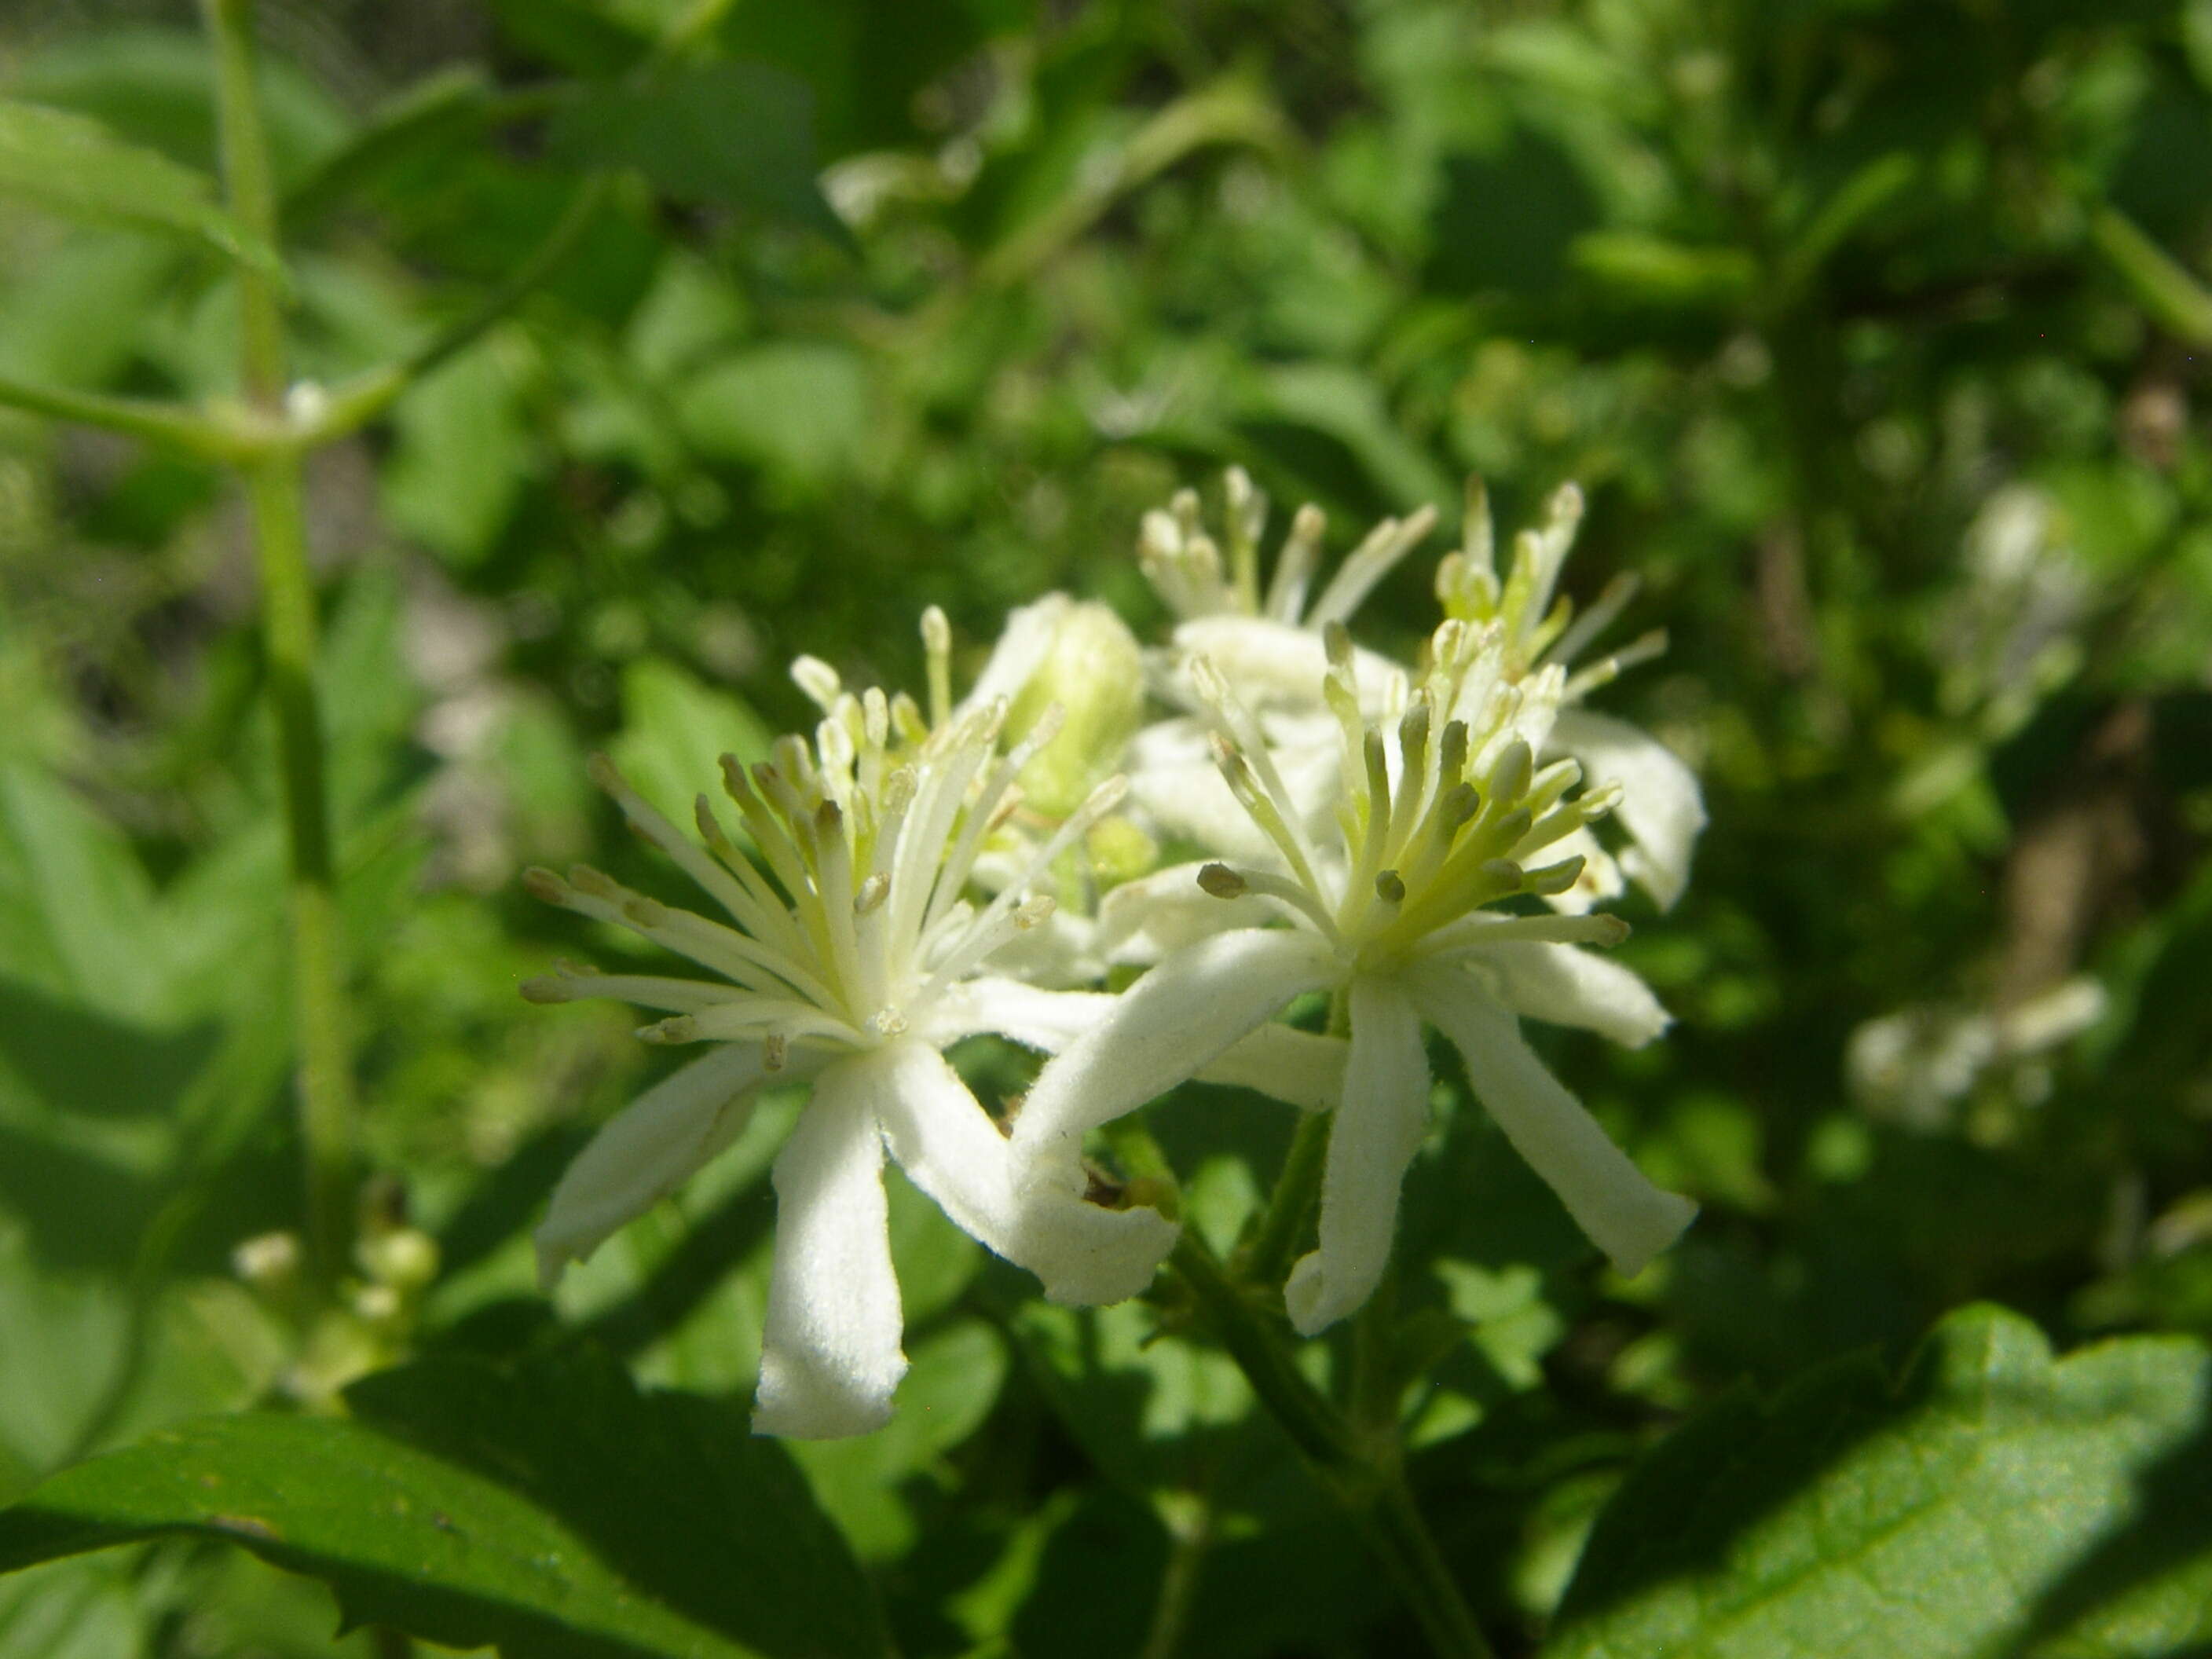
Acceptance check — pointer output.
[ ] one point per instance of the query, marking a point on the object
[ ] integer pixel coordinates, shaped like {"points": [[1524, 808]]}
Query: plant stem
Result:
{"points": [[136, 418], [1267, 1259], [1365, 1480], [367, 395], [275, 492]]}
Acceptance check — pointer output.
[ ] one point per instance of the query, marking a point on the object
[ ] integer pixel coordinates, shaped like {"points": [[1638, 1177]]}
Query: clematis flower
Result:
{"points": [[1270, 647], [1390, 914], [851, 961]]}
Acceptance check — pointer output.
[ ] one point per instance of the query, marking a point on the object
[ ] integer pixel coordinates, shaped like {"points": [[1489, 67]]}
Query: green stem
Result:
{"points": [[1368, 1483], [136, 418], [367, 395], [1267, 1259], [274, 490]]}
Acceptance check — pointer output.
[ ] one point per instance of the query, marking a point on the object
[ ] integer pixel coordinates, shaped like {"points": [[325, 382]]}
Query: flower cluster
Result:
{"points": [[1416, 841]]}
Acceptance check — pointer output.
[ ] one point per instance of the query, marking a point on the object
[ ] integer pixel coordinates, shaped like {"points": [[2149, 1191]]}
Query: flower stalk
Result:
{"points": [[1361, 1472]]}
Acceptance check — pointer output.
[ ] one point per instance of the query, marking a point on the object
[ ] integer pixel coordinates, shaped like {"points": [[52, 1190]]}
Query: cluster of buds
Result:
{"points": [[1416, 841]]}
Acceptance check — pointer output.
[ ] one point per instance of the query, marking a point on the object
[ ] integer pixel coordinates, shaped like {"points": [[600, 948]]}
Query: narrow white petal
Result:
{"points": [[647, 1151], [1175, 1020], [949, 1148], [1566, 985], [1044, 1020], [1273, 664], [1142, 920], [1625, 1215], [1372, 1138], [1298, 1068], [1661, 805], [829, 1346]]}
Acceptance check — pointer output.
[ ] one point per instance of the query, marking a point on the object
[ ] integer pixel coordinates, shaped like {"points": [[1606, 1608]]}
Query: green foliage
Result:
{"points": [[553, 1510], [1876, 335], [1991, 1500], [72, 166]]}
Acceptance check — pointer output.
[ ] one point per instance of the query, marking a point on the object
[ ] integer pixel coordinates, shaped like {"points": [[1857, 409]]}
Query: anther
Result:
{"points": [[1222, 882], [1389, 888], [1554, 878], [775, 1049], [543, 885], [873, 891]]}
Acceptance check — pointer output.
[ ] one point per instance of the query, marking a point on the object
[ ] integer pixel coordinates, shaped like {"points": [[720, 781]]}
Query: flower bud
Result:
{"points": [[1087, 662]]}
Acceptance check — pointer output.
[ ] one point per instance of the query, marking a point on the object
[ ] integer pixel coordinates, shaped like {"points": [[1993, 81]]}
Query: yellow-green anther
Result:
{"points": [[1458, 806], [1451, 753], [872, 892], [1389, 888], [1509, 779], [1336, 642], [1552, 878]]}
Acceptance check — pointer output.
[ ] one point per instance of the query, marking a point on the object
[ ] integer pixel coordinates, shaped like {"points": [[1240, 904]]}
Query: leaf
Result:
{"points": [[1992, 1502], [72, 166], [955, 1378], [551, 1510], [462, 455], [796, 407], [727, 134], [676, 729]]}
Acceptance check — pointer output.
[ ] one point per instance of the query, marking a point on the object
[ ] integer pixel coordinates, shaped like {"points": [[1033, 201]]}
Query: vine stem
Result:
{"points": [[1363, 1474], [274, 494]]}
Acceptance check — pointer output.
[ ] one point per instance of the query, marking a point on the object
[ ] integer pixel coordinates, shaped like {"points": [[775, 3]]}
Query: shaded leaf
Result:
{"points": [[550, 1510], [1992, 1501], [726, 133]]}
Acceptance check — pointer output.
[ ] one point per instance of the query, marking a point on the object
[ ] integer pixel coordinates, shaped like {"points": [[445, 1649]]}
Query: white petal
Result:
{"points": [[1298, 1068], [1661, 805], [648, 1150], [1045, 1020], [1625, 1215], [1142, 920], [1567, 985], [829, 1346], [1273, 664], [1599, 881], [948, 1146], [1372, 1138], [1175, 1020]]}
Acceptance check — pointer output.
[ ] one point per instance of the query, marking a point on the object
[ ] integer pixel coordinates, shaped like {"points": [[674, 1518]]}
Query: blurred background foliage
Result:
{"points": [[1873, 329]]}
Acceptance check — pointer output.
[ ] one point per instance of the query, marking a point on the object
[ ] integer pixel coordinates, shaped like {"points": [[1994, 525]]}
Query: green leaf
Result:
{"points": [[1992, 1501], [676, 729], [462, 456], [799, 408], [727, 134], [551, 1510], [954, 1378], [72, 166]]}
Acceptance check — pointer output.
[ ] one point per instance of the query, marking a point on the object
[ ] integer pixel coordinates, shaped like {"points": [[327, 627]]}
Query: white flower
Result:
{"points": [[853, 961], [1270, 648], [1388, 913]]}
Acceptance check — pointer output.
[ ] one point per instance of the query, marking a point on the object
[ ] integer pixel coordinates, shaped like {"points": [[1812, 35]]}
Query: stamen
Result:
{"points": [[775, 1051], [819, 681], [1247, 518], [1508, 778], [1553, 879], [1389, 888], [1609, 604], [937, 650], [1295, 564], [1218, 880]]}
